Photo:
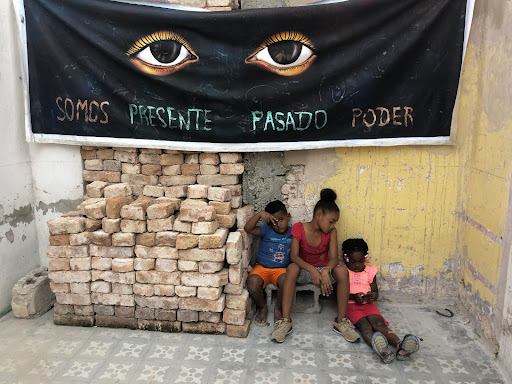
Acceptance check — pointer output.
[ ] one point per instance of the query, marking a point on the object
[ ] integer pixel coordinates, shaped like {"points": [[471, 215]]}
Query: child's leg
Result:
{"points": [[290, 281], [278, 309], [378, 341], [255, 287], [340, 274], [378, 324], [366, 330]]}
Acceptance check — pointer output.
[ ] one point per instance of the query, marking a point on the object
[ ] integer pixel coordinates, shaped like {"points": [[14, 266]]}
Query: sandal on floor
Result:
{"points": [[408, 346], [381, 347], [263, 323]]}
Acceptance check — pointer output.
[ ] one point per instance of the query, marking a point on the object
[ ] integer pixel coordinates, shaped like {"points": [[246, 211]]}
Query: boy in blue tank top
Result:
{"points": [[273, 257]]}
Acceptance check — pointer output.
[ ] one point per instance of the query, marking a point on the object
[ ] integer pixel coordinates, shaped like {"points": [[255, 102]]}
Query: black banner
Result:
{"points": [[360, 69]]}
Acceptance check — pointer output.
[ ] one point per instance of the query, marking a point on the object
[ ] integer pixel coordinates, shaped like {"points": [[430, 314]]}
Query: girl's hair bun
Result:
{"points": [[328, 195]]}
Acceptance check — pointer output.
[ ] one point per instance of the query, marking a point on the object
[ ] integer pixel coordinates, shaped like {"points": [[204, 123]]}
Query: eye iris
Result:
{"points": [[165, 51], [285, 52]]}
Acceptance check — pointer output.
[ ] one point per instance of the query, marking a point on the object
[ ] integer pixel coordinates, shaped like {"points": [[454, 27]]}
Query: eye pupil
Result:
{"points": [[165, 51], [285, 52]]}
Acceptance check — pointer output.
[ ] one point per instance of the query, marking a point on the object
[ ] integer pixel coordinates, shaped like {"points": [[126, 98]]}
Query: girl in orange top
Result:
{"points": [[362, 310]]}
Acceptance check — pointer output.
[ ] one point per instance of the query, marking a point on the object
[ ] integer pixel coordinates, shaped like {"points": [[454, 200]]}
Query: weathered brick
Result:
{"points": [[143, 289], [219, 194], [209, 158], [236, 289], [63, 309], [156, 252], [236, 190], [149, 158], [210, 266], [112, 299], [93, 164], [126, 156], [145, 313], [237, 301], [139, 180], [160, 225], [70, 276], [101, 287], [130, 168], [134, 226], [113, 205], [236, 202], [159, 325], [157, 302], [145, 239], [196, 279], [113, 277], [164, 290], [235, 273], [101, 263], [84, 310], [196, 254], [193, 203], [165, 314], [190, 169], [209, 293], [246, 238], [234, 247], [122, 265], [230, 157], [124, 311], [166, 265], [80, 263], [122, 289], [195, 304], [143, 264], [133, 212], [188, 266], [153, 191], [108, 176], [73, 320], [171, 170], [218, 180], [67, 251], [232, 169], [210, 317], [59, 287], [120, 252], [112, 165], [122, 239], [194, 214], [151, 169], [60, 264], [187, 316], [167, 238], [215, 240], [83, 238], [241, 331], [243, 215], [95, 189], [101, 238], [104, 310], [221, 207], [92, 225], [182, 226], [197, 191], [171, 159], [60, 240], [65, 225], [73, 298], [204, 227], [87, 154], [176, 191], [226, 221], [233, 316], [207, 169], [80, 288], [204, 328], [186, 241], [105, 153], [156, 277], [156, 151], [169, 181], [116, 322]]}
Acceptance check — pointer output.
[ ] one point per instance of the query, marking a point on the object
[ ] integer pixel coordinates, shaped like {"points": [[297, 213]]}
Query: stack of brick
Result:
{"points": [[150, 247]]}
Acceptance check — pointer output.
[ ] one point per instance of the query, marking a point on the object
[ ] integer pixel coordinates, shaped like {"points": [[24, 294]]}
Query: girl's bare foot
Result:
{"points": [[261, 317]]}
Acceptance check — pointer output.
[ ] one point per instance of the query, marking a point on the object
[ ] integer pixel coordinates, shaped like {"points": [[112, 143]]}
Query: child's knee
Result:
{"points": [[293, 271], [254, 283], [340, 273]]}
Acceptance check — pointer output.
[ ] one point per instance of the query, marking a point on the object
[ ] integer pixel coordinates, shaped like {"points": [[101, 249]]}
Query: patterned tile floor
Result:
{"points": [[37, 351]]}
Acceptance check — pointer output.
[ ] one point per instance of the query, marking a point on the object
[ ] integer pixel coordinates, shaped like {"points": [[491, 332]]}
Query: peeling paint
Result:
{"points": [[21, 215], [9, 235], [61, 206]]}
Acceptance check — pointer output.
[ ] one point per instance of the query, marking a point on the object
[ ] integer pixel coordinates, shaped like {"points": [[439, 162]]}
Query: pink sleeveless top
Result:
{"points": [[360, 281], [316, 256]]}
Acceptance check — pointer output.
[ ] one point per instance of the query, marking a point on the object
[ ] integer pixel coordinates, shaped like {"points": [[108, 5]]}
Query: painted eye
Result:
{"points": [[285, 53], [161, 53]]}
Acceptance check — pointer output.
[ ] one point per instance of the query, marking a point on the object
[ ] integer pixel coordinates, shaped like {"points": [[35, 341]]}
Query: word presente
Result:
{"points": [[192, 118]]}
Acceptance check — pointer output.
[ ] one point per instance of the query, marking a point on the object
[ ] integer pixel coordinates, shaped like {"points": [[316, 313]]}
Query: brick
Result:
{"points": [[160, 225], [182, 291], [149, 158], [169, 181], [164, 290], [84, 310], [232, 169], [80, 288], [182, 226], [101, 287], [123, 239], [194, 214], [188, 266], [157, 302], [159, 325], [195, 304], [145, 313], [204, 227], [218, 180], [111, 252], [241, 331], [143, 264], [73, 298], [93, 164], [210, 266], [151, 150], [130, 168], [80, 263], [67, 251], [104, 310], [156, 252], [219, 194], [187, 316], [139, 180], [124, 311], [209, 158], [65, 225], [221, 208], [171, 158], [100, 237], [196, 254], [101, 263], [113, 277], [237, 301], [122, 265], [108, 176], [73, 320], [197, 191], [126, 157], [209, 293], [60, 240], [190, 169], [122, 289], [210, 317], [63, 309], [151, 169], [236, 201], [176, 191], [153, 191], [134, 226], [70, 276], [246, 238], [233, 316], [226, 221], [171, 170], [166, 238], [116, 322], [236, 190], [234, 247], [186, 241], [112, 165], [207, 169], [166, 265], [112, 299], [105, 153], [144, 202], [196, 279], [145, 239], [87, 154], [191, 158], [59, 287], [235, 273], [236, 289], [133, 212], [204, 328], [243, 215], [193, 203], [230, 157], [156, 277], [95, 189], [143, 289], [92, 225], [215, 240], [83, 238], [60, 264]]}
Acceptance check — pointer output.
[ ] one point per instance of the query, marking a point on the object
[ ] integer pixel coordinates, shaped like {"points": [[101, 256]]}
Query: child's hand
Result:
{"points": [[268, 217], [359, 298], [316, 278], [326, 285], [370, 297]]}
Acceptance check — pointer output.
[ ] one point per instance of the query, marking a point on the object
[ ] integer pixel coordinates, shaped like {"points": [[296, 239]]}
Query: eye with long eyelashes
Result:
{"points": [[161, 53], [285, 53]]}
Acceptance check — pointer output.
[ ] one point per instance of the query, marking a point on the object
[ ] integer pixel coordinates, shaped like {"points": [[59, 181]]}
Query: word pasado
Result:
{"points": [[382, 116], [168, 117], [88, 111], [293, 121]]}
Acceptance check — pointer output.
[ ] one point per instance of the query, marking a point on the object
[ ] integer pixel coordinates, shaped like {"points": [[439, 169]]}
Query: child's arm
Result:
{"points": [[374, 294], [333, 262], [296, 259], [252, 227]]}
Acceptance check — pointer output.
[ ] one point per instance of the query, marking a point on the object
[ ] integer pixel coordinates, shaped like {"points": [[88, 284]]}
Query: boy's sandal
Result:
{"points": [[381, 347], [261, 323], [407, 347]]}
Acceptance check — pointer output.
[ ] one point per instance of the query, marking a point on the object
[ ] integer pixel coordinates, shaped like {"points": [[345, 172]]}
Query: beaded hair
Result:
{"points": [[354, 245]]}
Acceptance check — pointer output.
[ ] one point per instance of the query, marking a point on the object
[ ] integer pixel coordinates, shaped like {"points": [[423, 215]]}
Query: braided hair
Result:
{"points": [[354, 245]]}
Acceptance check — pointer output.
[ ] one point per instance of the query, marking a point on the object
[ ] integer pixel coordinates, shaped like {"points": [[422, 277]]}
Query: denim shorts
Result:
{"points": [[305, 276]]}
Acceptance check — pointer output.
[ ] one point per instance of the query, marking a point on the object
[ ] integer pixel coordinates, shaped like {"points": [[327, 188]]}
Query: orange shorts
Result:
{"points": [[269, 275]]}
